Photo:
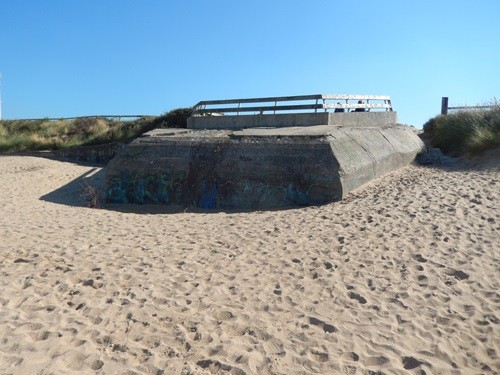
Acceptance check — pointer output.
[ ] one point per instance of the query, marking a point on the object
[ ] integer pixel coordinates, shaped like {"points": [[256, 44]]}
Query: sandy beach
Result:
{"points": [[402, 277]]}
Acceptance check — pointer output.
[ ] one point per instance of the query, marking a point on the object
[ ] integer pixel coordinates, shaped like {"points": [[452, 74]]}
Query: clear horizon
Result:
{"points": [[64, 59]]}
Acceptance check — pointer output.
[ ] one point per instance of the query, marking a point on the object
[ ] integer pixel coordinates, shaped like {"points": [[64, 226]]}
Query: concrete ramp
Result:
{"points": [[257, 168]]}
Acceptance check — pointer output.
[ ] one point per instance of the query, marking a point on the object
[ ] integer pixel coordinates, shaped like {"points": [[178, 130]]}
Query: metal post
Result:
{"points": [[444, 105]]}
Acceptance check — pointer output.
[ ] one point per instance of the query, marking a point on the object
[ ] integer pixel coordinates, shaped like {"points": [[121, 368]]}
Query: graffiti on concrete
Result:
{"points": [[153, 188], [209, 193], [249, 194]]}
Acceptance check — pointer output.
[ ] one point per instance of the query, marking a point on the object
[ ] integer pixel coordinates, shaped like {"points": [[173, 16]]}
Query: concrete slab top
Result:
{"points": [[295, 131], [300, 131], [165, 132], [184, 133]]}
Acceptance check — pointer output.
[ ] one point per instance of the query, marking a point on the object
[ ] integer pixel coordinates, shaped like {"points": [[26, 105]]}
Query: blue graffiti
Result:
{"points": [[116, 193], [297, 197], [161, 188], [209, 196], [165, 188]]}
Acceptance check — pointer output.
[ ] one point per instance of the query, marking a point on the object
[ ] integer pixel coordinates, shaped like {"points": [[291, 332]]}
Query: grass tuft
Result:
{"points": [[469, 131], [91, 195], [44, 134]]}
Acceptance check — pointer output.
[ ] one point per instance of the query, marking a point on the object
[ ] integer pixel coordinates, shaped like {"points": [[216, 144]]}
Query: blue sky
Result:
{"points": [[61, 58]]}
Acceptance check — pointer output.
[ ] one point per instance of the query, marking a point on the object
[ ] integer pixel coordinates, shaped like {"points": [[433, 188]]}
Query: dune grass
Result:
{"points": [[45, 134], [22, 135], [468, 131]]}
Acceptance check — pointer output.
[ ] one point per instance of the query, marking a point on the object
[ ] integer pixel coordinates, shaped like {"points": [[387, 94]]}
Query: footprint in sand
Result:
{"points": [[318, 355], [459, 275], [328, 265], [223, 315], [76, 361], [77, 343], [12, 361], [21, 260], [35, 326], [376, 360], [419, 258], [422, 280], [357, 297], [80, 306], [328, 328], [274, 347], [218, 367], [411, 363], [96, 365], [351, 356], [44, 335]]}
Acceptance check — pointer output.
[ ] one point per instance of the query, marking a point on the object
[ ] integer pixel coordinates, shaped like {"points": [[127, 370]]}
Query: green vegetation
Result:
{"points": [[469, 131], [45, 134]]}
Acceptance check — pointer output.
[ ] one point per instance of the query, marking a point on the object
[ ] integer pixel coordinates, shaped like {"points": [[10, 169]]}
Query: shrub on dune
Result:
{"points": [[44, 134], [465, 131]]}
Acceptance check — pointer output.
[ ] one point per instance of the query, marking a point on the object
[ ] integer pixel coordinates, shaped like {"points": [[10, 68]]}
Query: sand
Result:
{"points": [[401, 277]]}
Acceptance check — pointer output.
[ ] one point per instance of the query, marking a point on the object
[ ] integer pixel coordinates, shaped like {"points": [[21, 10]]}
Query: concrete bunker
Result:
{"points": [[264, 160]]}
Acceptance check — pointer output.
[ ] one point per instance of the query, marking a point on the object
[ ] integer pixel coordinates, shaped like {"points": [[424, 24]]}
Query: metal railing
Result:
{"points": [[445, 108], [309, 102]]}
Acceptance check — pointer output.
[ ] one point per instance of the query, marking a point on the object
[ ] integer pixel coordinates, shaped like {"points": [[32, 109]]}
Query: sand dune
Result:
{"points": [[401, 277]]}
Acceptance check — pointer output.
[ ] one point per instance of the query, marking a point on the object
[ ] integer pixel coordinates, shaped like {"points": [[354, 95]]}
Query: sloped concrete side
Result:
{"points": [[355, 164], [364, 154]]}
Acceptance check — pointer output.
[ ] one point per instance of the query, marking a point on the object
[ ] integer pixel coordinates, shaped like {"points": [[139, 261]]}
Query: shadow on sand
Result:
{"points": [[83, 190], [80, 191]]}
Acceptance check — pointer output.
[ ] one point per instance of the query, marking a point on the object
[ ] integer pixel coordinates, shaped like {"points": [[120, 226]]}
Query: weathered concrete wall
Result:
{"points": [[98, 154], [376, 119], [363, 119], [256, 168], [365, 154]]}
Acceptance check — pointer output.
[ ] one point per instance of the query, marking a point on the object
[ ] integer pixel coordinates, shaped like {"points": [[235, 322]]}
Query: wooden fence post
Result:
{"points": [[444, 105]]}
